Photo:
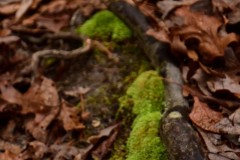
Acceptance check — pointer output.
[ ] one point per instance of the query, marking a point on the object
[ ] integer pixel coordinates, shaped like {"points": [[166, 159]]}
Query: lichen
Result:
{"points": [[146, 95], [106, 26]]}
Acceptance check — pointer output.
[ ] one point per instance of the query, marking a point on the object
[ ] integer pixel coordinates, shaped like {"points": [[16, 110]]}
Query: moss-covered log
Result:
{"points": [[146, 98], [181, 140]]}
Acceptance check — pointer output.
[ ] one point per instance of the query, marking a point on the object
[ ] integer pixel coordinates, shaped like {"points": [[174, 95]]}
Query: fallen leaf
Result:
{"points": [[37, 126], [54, 7], [10, 147], [76, 92], [206, 28], [8, 133], [8, 155], [42, 95], [25, 5], [231, 104], [200, 77], [104, 148], [53, 23], [70, 118], [9, 9], [215, 148], [9, 39], [204, 117], [218, 152], [103, 133], [5, 2], [166, 7], [230, 126], [224, 84], [65, 151], [38, 148]]}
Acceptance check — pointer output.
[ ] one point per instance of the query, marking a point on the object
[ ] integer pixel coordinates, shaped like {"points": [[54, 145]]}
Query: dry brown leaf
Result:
{"points": [[53, 23], [7, 134], [211, 72], [178, 47], [25, 5], [10, 147], [206, 29], [70, 118], [224, 84], [54, 7], [9, 39], [104, 148], [200, 77], [223, 5], [76, 92], [222, 102], [9, 9], [37, 126], [42, 96], [66, 151], [8, 155], [204, 117], [5, 2], [223, 156], [35, 4], [41, 99], [192, 55], [159, 35], [39, 149], [166, 7], [230, 126], [11, 95], [218, 152], [230, 59], [103, 133]]}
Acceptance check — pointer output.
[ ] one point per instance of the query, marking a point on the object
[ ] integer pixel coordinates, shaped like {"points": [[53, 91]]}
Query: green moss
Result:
{"points": [[105, 25], [144, 142], [146, 95]]}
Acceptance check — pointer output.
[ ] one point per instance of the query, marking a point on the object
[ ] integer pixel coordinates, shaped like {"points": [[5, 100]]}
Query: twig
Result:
{"points": [[104, 49], [55, 53]]}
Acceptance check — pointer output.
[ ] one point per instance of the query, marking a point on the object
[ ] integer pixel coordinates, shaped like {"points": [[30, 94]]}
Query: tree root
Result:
{"points": [[37, 56]]}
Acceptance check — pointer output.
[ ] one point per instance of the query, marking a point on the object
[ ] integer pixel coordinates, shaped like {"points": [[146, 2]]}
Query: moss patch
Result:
{"points": [[106, 26], [146, 95]]}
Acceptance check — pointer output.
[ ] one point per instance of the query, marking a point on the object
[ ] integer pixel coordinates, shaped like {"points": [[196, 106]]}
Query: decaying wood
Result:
{"points": [[181, 140]]}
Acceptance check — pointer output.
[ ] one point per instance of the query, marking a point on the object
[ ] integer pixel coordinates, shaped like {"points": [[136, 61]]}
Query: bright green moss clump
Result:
{"points": [[105, 25], [146, 95]]}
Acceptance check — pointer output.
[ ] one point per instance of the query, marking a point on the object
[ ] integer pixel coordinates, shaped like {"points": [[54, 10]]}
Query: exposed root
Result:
{"points": [[37, 56]]}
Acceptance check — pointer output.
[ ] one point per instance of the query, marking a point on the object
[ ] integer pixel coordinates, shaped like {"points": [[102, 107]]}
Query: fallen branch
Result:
{"points": [[179, 136], [36, 57]]}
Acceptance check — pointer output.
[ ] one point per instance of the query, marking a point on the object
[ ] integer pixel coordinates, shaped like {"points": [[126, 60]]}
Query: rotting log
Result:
{"points": [[180, 138]]}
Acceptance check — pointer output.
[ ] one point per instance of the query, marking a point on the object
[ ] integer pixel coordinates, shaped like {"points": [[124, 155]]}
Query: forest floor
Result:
{"points": [[59, 91]]}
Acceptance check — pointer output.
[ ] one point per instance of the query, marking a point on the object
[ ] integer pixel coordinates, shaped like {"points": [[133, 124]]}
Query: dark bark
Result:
{"points": [[156, 51], [182, 141]]}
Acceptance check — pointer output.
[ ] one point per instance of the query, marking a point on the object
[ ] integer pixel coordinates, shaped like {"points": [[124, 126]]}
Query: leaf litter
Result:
{"points": [[36, 121], [204, 38], [39, 117]]}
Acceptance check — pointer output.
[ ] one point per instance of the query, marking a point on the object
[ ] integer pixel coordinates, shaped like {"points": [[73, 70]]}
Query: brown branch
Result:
{"points": [[36, 57]]}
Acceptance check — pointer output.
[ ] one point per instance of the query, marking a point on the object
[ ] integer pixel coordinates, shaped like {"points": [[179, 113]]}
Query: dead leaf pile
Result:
{"points": [[36, 121], [204, 37]]}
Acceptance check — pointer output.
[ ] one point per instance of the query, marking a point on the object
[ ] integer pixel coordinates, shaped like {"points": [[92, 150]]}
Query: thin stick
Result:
{"points": [[55, 53]]}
